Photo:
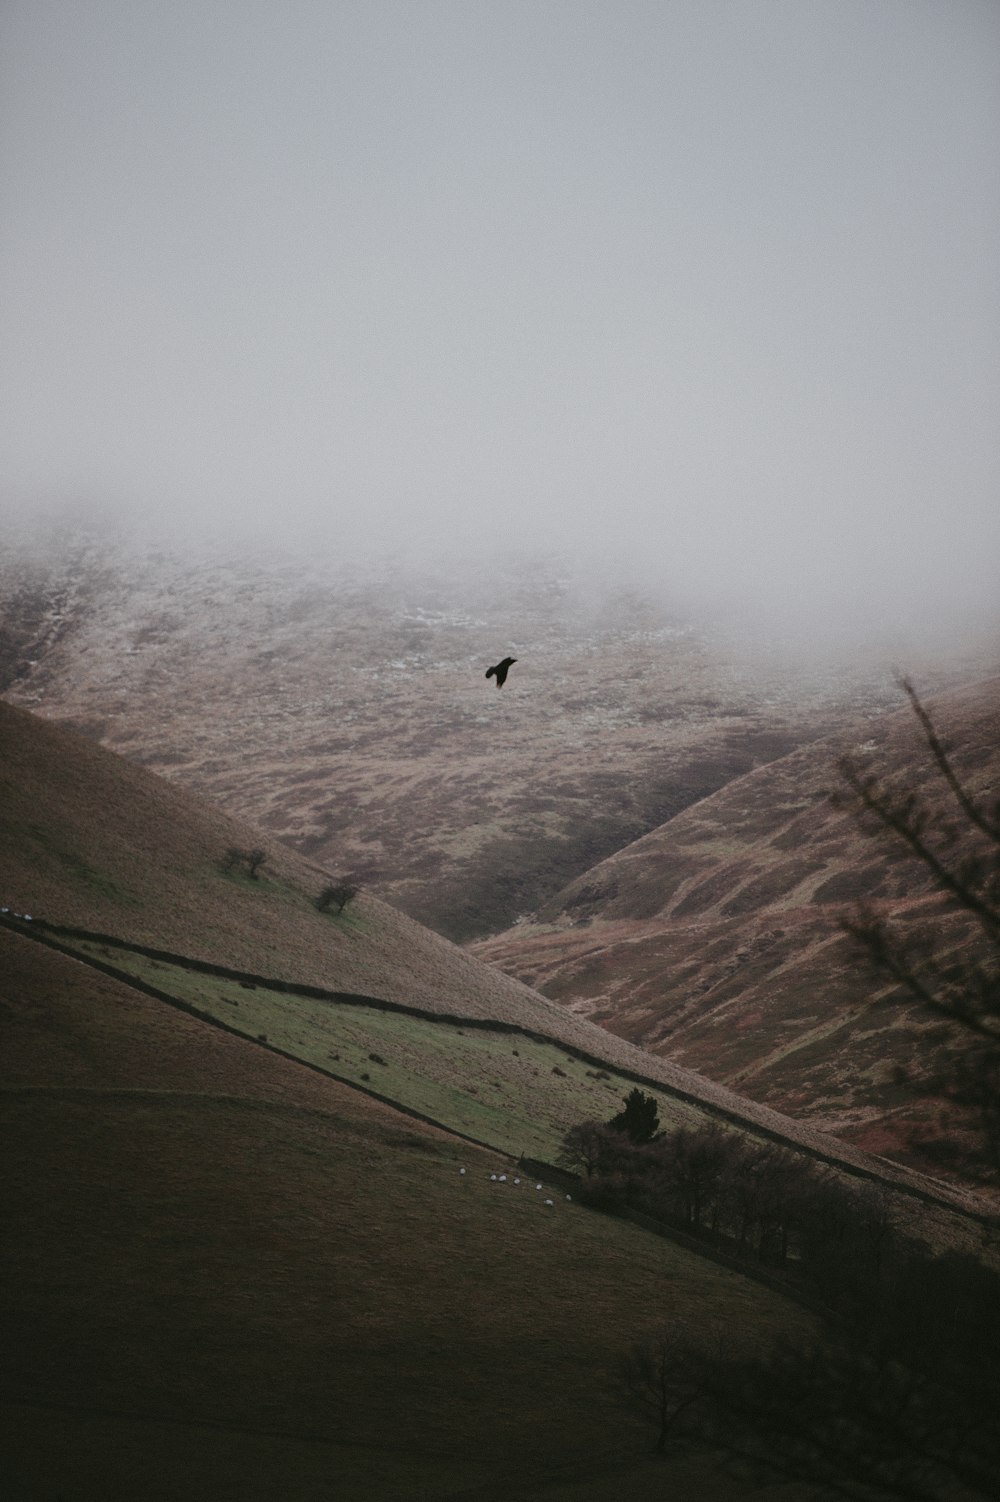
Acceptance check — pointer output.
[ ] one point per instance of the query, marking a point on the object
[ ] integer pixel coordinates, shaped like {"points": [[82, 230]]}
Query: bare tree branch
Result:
{"points": [[972, 813]]}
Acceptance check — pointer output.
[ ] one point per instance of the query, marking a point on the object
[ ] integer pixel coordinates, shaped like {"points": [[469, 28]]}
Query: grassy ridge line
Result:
{"points": [[127, 979], [42, 930]]}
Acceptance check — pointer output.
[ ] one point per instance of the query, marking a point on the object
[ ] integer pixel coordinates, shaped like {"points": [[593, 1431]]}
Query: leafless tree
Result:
{"points": [[689, 1169], [955, 840], [589, 1146], [896, 1400], [662, 1378]]}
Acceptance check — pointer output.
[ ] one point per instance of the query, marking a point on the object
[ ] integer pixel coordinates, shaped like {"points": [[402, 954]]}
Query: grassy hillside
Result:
{"points": [[89, 839], [224, 1276], [511, 1090], [715, 941], [227, 1272]]}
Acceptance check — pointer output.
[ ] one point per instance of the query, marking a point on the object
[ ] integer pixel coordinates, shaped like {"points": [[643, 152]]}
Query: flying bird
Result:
{"points": [[501, 670]]}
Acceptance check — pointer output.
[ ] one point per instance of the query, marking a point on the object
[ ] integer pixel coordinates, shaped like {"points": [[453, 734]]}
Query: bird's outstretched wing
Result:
{"points": [[500, 670]]}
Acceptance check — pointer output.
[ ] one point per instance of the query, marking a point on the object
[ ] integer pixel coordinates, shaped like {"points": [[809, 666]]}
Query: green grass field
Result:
{"points": [[510, 1091], [507, 1090]]}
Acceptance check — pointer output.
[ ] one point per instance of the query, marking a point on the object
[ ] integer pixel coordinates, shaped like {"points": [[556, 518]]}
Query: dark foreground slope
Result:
{"points": [[225, 1274], [716, 941], [226, 1277]]}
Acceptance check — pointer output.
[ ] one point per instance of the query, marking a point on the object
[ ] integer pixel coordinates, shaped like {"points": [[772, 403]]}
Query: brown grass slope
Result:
{"points": [[222, 1276], [347, 713], [715, 941], [87, 838], [351, 717]]}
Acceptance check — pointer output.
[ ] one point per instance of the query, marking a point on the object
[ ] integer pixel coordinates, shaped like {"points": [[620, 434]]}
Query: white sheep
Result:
{"points": [[569, 1196], [503, 1178], [538, 1186], [493, 1178], [461, 1170], [548, 1202], [517, 1181]]}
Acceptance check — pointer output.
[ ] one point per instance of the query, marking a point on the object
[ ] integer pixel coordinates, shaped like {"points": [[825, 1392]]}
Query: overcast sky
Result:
{"points": [[708, 284]]}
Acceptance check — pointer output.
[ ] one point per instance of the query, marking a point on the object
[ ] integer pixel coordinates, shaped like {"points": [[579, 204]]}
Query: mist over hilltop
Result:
{"points": [[342, 704], [704, 292], [351, 348]]}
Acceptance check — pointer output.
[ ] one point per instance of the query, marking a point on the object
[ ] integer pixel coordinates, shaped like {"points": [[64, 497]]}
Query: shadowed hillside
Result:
{"points": [[223, 1275], [225, 1272], [715, 941], [94, 841]]}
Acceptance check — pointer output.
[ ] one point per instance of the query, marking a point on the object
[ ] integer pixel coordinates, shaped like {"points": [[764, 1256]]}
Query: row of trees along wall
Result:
{"points": [[749, 1198]]}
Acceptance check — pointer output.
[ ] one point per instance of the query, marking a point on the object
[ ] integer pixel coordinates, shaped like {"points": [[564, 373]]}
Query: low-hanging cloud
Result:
{"points": [[703, 290]]}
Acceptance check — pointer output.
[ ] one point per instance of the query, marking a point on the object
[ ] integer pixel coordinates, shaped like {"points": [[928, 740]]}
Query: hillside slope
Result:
{"points": [[89, 839], [715, 941], [223, 1273], [223, 1276], [346, 711]]}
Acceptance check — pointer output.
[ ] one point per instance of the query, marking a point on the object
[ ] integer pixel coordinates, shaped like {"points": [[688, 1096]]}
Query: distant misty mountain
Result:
{"points": [[345, 709]]}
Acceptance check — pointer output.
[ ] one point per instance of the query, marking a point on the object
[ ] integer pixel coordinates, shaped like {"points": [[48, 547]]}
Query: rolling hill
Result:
{"points": [[239, 1258], [346, 711], [228, 1273], [95, 843], [225, 1276], [715, 941]]}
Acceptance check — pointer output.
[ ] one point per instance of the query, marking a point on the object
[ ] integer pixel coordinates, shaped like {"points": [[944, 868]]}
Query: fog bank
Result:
{"points": [[703, 291]]}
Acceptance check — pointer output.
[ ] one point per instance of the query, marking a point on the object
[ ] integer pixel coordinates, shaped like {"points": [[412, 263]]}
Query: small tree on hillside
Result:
{"points": [[338, 895], [231, 859], [252, 860], [640, 1119], [662, 1379]]}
